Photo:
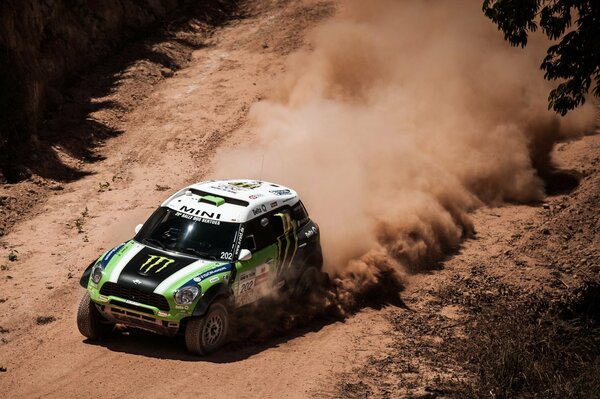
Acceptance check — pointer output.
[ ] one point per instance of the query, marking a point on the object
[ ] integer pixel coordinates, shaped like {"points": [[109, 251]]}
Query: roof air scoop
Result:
{"points": [[213, 200]]}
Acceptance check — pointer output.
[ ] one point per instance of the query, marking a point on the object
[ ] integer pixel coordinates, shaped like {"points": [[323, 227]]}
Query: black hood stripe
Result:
{"points": [[149, 267]]}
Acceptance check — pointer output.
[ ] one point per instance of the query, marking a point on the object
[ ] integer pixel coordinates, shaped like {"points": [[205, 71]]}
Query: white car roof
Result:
{"points": [[236, 200]]}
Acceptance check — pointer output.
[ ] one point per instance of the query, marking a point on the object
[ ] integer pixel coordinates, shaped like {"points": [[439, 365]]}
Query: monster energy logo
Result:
{"points": [[285, 252], [249, 185], [160, 262]]}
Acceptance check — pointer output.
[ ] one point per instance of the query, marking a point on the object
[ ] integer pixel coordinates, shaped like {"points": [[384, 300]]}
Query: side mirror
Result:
{"points": [[138, 228], [245, 254]]}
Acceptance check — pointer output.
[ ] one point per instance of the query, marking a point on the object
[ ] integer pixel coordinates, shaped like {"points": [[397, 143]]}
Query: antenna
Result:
{"points": [[262, 164]]}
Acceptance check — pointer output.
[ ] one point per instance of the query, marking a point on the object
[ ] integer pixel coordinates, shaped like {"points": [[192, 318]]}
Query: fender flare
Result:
{"points": [[216, 291], [85, 277]]}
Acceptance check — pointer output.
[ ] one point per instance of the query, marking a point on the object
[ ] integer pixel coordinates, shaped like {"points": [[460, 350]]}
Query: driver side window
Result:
{"points": [[249, 243], [258, 234], [264, 230]]}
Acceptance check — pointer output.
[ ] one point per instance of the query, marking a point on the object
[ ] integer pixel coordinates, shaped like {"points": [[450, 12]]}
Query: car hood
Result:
{"points": [[150, 269]]}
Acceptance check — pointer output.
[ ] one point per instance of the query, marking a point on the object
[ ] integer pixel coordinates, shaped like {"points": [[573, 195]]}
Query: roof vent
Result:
{"points": [[227, 200], [211, 199]]}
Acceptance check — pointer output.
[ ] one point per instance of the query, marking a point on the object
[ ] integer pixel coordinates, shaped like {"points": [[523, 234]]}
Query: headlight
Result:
{"points": [[96, 274], [186, 295]]}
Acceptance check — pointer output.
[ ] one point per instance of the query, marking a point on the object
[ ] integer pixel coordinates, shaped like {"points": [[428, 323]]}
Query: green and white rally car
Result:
{"points": [[207, 250]]}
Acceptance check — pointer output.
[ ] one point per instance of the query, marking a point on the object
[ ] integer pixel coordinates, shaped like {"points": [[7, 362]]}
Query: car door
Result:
{"points": [[255, 276]]}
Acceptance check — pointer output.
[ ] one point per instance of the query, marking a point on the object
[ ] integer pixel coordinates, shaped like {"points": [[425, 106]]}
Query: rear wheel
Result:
{"points": [[206, 334], [90, 322], [310, 281]]}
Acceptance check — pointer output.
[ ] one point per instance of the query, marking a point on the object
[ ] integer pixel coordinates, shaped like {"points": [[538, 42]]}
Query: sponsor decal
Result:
{"points": [[259, 210], [197, 212], [158, 263], [262, 272], [251, 185], [198, 219], [309, 233], [102, 298], [273, 204], [228, 188], [213, 279], [137, 281], [255, 196], [280, 192], [163, 314], [253, 284], [147, 266], [212, 272], [287, 244], [240, 236], [109, 255], [248, 275]]}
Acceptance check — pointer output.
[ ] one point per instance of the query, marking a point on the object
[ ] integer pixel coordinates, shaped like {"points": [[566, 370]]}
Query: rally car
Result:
{"points": [[208, 250]]}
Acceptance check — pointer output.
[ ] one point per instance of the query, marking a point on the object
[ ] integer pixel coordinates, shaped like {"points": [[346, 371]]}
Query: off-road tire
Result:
{"points": [[309, 282], [206, 334], [90, 322]]}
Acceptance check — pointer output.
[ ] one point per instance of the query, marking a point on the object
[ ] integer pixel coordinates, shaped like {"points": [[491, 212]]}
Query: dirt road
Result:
{"points": [[168, 140]]}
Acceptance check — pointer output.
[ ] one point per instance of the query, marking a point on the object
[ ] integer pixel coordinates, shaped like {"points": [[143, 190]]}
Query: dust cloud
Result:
{"points": [[400, 119]]}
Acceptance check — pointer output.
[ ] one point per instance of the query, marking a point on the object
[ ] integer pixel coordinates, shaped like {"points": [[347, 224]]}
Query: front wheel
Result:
{"points": [[90, 322], [206, 334]]}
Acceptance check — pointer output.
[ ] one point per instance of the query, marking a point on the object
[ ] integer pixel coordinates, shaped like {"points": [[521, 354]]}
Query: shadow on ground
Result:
{"points": [[139, 342], [70, 132], [560, 181], [255, 328]]}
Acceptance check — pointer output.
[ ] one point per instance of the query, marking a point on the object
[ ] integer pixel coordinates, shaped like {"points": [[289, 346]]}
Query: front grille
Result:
{"points": [[133, 294], [117, 312], [132, 307]]}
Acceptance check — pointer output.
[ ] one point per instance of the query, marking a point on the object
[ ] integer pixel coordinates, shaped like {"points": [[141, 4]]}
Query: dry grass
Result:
{"points": [[41, 320], [537, 349]]}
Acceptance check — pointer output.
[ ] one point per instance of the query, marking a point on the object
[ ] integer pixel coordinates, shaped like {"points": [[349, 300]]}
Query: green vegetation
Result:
{"points": [[575, 60], [103, 187], [80, 221], [41, 320]]}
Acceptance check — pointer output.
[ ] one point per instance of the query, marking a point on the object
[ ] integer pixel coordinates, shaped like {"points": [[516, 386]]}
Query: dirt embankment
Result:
{"points": [[56, 109], [45, 45], [515, 312]]}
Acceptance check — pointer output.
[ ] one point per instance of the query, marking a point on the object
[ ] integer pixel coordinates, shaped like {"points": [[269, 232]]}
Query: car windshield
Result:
{"points": [[176, 231]]}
